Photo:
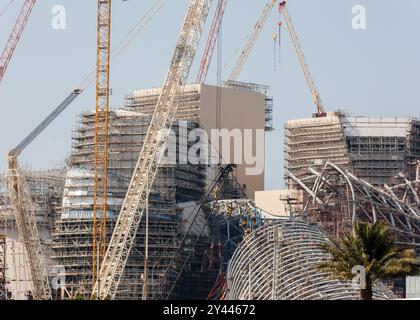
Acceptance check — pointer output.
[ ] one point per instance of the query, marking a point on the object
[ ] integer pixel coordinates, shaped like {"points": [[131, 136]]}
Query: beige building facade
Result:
{"points": [[242, 114]]}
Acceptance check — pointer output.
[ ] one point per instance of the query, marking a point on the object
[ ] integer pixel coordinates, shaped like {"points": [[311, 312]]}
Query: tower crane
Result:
{"points": [[100, 183], [15, 35], [315, 95], [135, 201], [251, 40], [211, 41]]}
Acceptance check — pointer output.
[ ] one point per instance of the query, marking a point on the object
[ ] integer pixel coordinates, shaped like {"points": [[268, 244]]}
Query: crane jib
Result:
{"points": [[46, 122]]}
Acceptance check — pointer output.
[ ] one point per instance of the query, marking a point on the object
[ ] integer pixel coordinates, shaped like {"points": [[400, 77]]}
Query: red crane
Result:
{"points": [[15, 35], [211, 41]]}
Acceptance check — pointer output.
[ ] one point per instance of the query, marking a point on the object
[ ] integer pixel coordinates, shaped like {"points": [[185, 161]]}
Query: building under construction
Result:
{"points": [[64, 198], [356, 168], [169, 229], [46, 188], [375, 149], [175, 185]]}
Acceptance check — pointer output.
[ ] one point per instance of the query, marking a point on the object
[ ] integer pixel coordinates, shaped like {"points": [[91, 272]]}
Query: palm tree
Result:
{"points": [[371, 246]]}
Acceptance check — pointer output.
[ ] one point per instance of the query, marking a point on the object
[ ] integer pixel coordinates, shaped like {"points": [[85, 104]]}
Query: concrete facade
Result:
{"points": [[241, 107], [278, 203]]}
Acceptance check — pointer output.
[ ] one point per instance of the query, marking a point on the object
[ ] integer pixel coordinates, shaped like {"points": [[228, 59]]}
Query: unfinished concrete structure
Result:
{"points": [[356, 168], [375, 149], [374, 158], [177, 187], [65, 198], [237, 106], [73, 230]]}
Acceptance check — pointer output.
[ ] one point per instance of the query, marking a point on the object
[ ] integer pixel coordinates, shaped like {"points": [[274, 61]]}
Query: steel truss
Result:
{"points": [[336, 198], [279, 262]]}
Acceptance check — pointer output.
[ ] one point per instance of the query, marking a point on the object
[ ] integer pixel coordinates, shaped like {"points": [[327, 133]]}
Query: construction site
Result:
{"points": [[118, 221]]}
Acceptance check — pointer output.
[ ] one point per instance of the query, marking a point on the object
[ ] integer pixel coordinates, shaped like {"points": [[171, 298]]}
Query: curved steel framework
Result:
{"points": [[335, 198], [279, 262]]}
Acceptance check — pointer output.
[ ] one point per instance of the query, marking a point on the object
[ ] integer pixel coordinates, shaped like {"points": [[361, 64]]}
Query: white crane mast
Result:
{"points": [[144, 174], [24, 210], [252, 38]]}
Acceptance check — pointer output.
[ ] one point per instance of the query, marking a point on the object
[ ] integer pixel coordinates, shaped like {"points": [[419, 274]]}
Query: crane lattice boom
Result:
{"points": [[315, 95], [252, 38], [211, 41], [28, 231], [24, 208], [15, 35], [100, 183], [144, 174]]}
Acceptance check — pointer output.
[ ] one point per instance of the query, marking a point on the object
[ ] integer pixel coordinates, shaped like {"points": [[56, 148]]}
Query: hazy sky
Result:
{"points": [[372, 72]]}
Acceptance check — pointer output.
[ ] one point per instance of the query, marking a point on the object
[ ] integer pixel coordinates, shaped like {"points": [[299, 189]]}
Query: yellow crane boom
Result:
{"points": [[100, 183]]}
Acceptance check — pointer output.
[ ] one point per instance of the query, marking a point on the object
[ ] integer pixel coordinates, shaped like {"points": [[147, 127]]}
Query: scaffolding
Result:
{"points": [[375, 149], [380, 148], [65, 202], [45, 188], [175, 183], [188, 109], [190, 101], [309, 142]]}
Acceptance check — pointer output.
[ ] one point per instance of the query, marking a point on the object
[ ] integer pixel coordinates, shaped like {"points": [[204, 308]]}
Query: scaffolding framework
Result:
{"points": [[174, 183], [375, 149]]}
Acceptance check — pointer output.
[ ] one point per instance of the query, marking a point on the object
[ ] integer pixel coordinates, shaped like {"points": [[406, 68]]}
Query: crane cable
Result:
{"points": [[6, 7], [138, 27]]}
